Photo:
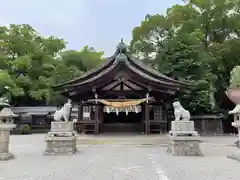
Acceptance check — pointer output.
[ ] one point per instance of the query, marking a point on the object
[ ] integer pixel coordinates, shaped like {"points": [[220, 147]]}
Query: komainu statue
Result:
{"points": [[64, 113], [180, 113]]}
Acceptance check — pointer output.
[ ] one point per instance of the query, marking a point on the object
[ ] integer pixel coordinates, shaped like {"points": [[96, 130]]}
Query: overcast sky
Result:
{"points": [[97, 23]]}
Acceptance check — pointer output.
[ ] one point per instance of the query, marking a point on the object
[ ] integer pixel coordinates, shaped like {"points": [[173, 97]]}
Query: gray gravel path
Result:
{"points": [[117, 162]]}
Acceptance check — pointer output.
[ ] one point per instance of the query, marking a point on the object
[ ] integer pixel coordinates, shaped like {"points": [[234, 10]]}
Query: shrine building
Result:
{"points": [[122, 95]]}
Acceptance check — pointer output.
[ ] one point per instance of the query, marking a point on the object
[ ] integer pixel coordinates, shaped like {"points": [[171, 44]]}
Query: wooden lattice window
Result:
{"points": [[158, 114], [86, 112]]}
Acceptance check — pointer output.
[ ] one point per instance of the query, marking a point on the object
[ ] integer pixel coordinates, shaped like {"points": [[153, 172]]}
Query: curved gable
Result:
{"points": [[129, 64]]}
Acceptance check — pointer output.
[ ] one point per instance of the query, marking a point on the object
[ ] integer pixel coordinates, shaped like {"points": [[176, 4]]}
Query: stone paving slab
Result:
{"points": [[117, 162], [147, 139]]}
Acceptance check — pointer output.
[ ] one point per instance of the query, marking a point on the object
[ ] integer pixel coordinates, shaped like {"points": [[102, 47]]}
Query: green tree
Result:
{"points": [[199, 32], [85, 59], [31, 64], [29, 60]]}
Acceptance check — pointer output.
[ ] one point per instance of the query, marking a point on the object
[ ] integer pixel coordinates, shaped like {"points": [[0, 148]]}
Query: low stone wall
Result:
{"points": [[209, 124]]}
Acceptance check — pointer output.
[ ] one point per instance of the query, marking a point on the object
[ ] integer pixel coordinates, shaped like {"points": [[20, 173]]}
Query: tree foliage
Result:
{"points": [[198, 42], [235, 77], [30, 64]]}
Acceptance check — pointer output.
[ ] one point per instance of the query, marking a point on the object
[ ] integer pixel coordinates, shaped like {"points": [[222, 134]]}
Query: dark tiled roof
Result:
{"points": [[132, 63], [90, 72], [153, 71]]}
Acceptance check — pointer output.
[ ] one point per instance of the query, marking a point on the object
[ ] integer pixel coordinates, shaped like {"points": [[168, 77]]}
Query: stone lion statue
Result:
{"points": [[64, 112], [180, 113], [236, 110]]}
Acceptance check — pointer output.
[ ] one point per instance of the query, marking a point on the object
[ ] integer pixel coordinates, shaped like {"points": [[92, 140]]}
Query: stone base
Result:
{"points": [[62, 126], [182, 128], [235, 155], [183, 133], [60, 145], [6, 156], [182, 125], [61, 140], [184, 146]]}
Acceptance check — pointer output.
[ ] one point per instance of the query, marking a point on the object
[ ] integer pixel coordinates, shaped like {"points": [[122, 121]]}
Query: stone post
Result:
{"points": [[184, 140], [61, 140], [4, 141], [236, 124]]}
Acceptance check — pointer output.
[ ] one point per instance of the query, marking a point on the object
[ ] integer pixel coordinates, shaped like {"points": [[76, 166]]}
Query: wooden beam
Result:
{"points": [[112, 82], [130, 87], [146, 110], [137, 84], [119, 93], [114, 86], [165, 91], [121, 86]]}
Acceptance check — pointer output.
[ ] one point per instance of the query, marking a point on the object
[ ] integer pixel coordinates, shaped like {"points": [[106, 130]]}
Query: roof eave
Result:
{"points": [[88, 74]]}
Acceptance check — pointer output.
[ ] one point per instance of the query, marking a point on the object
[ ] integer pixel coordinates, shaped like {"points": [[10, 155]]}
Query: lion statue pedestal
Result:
{"points": [[182, 128], [236, 112], [61, 140], [184, 139]]}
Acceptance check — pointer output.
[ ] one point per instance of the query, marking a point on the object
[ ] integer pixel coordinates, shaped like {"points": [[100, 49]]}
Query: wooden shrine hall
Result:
{"points": [[122, 95]]}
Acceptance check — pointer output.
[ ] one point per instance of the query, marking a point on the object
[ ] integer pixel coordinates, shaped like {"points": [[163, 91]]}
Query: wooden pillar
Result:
{"points": [[164, 115], [80, 128], [142, 118], [96, 119], [142, 114], [80, 111], [221, 126], [146, 109], [203, 127], [70, 114], [101, 114], [45, 123]]}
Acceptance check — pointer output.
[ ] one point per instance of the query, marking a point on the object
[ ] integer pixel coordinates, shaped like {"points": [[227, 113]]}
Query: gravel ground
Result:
{"points": [[119, 162]]}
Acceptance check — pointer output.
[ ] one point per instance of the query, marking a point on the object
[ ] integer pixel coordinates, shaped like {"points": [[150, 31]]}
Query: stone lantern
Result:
{"points": [[233, 93], [6, 125], [7, 115]]}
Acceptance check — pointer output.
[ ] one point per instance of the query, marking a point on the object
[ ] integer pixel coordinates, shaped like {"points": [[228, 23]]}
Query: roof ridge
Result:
{"points": [[122, 55]]}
